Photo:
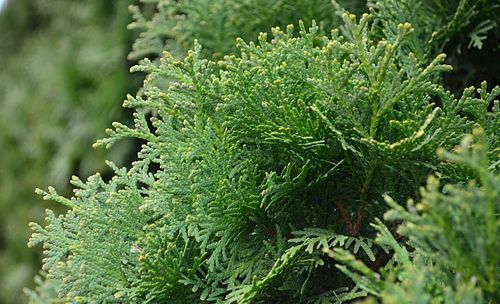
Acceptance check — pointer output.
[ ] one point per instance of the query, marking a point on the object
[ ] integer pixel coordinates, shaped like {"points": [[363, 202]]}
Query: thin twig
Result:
{"points": [[345, 218]]}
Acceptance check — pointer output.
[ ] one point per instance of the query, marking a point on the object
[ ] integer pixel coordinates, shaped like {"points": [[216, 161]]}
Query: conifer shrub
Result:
{"points": [[63, 73], [264, 175]]}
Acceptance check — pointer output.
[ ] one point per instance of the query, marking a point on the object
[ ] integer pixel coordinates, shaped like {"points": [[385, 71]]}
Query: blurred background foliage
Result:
{"points": [[63, 74]]}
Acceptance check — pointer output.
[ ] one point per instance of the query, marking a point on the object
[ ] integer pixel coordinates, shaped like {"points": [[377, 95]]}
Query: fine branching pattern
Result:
{"points": [[260, 166], [452, 251]]}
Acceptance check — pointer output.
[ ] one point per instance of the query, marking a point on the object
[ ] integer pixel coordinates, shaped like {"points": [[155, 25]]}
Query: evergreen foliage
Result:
{"points": [[451, 255], [63, 70], [437, 24], [258, 167], [467, 30], [216, 24]]}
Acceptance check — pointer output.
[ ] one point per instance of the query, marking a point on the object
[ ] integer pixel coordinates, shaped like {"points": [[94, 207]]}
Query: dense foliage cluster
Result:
{"points": [[174, 25], [63, 73], [264, 174]]}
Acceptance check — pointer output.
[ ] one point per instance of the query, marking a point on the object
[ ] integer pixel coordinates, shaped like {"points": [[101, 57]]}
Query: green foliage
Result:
{"points": [[103, 208], [452, 251], [468, 31], [217, 23], [257, 165], [62, 72], [437, 24]]}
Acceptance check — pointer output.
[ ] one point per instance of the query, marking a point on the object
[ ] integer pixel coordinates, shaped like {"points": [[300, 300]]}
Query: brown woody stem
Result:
{"points": [[340, 205]]}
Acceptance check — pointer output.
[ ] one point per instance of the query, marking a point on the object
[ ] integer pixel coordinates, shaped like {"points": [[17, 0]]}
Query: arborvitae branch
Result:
{"points": [[262, 163]]}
